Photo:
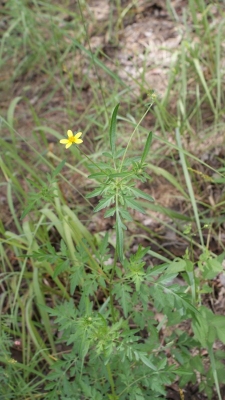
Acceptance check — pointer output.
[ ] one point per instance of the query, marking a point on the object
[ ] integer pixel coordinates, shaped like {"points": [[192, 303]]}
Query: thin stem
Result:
{"points": [[112, 274], [89, 159], [138, 124], [110, 287], [214, 371]]}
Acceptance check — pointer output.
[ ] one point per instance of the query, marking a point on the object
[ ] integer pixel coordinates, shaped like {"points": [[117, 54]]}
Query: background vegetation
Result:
{"points": [[125, 302]]}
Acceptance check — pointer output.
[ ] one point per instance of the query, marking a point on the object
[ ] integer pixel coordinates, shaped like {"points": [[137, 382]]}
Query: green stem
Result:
{"points": [[112, 275], [111, 381], [110, 288], [111, 304], [214, 371], [89, 159], [136, 127]]}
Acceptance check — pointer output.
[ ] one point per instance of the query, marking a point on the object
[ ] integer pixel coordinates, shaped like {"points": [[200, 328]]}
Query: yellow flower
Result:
{"points": [[72, 139]]}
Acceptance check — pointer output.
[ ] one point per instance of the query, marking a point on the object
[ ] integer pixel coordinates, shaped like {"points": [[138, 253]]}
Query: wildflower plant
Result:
{"points": [[113, 343]]}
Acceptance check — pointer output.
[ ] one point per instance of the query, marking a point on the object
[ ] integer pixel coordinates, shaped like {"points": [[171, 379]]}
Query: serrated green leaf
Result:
{"points": [[125, 215], [104, 244], [125, 298], [147, 147], [120, 174], [201, 325], [147, 362], [119, 153], [61, 267], [162, 363], [140, 193], [176, 266], [112, 130], [99, 190], [110, 213], [28, 209], [219, 325], [134, 205], [106, 202], [107, 154], [212, 269], [98, 175]]}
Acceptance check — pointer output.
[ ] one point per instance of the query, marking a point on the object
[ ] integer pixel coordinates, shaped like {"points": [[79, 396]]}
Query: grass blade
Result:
{"points": [[112, 130]]}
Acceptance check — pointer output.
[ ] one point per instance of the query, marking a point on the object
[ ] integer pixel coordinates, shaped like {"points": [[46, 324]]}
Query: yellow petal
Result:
{"points": [[69, 133], [68, 145], [78, 141], [78, 135], [64, 141]]}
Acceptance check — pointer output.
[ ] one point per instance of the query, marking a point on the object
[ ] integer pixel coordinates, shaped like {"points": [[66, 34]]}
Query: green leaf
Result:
{"points": [[212, 268], [169, 177], [147, 362], [98, 175], [104, 245], [125, 298], [11, 111], [125, 215], [147, 147], [134, 204], [140, 193], [28, 209], [61, 267], [189, 266], [119, 153], [219, 325], [201, 327], [58, 169], [112, 130], [162, 363], [120, 174], [110, 213], [106, 202], [176, 266], [107, 154], [99, 190]]}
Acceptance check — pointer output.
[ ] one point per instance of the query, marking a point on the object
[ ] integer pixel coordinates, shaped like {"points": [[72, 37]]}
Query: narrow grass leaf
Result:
{"points": [[58, 168], [189, 185], [11, 111], [147, 147], [112, 130], [203, 81], [169, 177], [34, 334]]}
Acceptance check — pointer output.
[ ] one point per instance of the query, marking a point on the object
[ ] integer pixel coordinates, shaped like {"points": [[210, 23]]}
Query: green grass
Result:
{"points": [[54, 81]]}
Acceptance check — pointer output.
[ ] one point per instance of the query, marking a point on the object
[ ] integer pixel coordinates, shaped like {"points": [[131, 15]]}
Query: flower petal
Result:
{"points": [[78, 135], [68, 145], [64, 141], [69, 133], [78, 141]]}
